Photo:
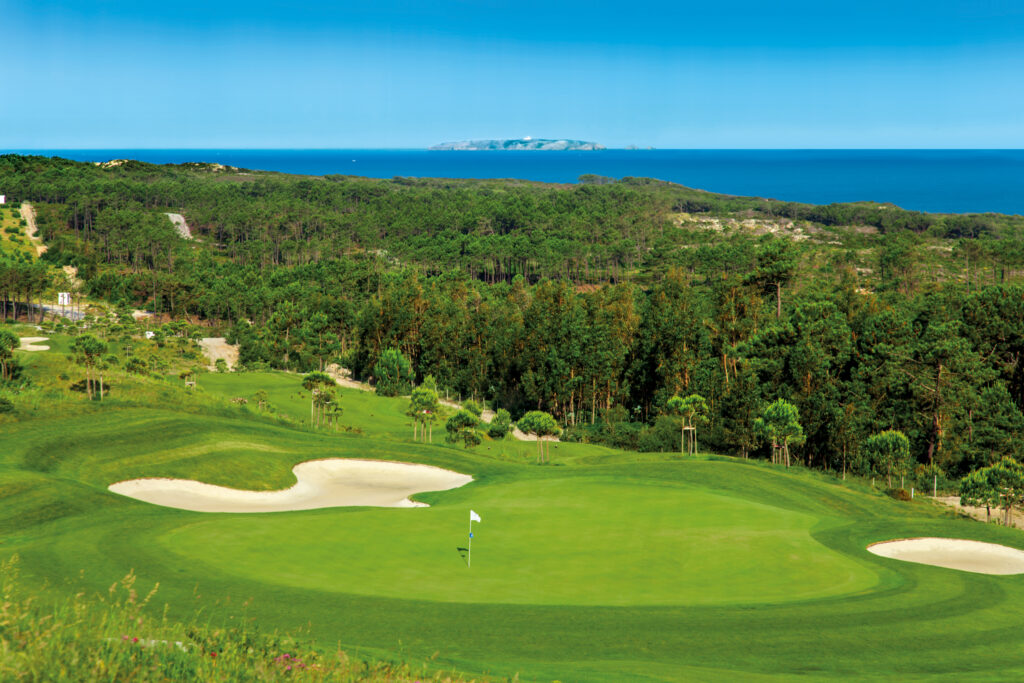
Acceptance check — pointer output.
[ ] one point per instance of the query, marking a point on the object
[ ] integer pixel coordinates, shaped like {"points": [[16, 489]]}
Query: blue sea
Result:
{"points": [[959, 181]]}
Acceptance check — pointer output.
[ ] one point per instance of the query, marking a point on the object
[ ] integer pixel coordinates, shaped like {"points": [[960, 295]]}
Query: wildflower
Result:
{"points": [[135, 639], [213, 654], [124, 637]]}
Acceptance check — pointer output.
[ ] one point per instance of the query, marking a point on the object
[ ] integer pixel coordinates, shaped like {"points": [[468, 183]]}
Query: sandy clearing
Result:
{"points": [[1016, 516], [29, 214], [343, 376], [218, 347], [180, 225], [954, 553], [334, 482], [30, 344]]}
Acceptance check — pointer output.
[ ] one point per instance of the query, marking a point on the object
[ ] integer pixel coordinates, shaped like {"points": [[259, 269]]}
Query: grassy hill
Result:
{"points": [[605, 565]]}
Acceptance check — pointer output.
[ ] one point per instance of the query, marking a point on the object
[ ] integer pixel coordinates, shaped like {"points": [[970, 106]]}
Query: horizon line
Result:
{"points": [[20, 150]]}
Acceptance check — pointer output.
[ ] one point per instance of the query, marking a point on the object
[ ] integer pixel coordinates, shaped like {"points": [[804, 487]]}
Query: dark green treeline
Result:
{"points": [[591, 301]]}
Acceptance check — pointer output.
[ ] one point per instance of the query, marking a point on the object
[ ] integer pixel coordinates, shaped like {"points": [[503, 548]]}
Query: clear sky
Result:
{"points": [[391, 73]]}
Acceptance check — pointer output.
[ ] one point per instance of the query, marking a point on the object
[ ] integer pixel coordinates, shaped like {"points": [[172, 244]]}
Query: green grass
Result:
{"points": [[576, 541], [603, 566], [371, 415]]}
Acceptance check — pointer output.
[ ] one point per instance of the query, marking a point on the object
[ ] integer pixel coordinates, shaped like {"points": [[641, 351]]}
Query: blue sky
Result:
{"points": [[726, 74]]}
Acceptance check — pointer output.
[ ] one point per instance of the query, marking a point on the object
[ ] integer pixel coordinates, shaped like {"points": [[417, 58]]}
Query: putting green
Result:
{"points": [[569, 541]]}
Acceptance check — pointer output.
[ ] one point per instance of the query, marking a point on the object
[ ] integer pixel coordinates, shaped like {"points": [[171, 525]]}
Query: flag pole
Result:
{"points": [[469, 554]]}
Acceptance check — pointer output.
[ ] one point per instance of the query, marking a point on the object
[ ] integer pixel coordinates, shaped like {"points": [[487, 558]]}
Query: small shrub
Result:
{"points": [[462, 426], [5, 405], [473, 407], [899, 494], [501, 425], [221, 365], [136, 366]]}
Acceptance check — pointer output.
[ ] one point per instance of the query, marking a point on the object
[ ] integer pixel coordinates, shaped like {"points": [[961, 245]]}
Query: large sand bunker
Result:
{"points": [[954, 553], [335, 482]]}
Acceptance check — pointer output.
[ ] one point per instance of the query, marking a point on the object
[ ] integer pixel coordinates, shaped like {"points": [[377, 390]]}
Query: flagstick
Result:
{"points": [[469, 555]]}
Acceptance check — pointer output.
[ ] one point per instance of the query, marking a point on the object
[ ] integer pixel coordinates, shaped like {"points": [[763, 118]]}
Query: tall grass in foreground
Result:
{"points": [[117, 638]]}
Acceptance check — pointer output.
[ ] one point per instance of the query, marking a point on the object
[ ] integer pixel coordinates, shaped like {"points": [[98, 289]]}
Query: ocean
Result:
{"points": [[957, 181]]}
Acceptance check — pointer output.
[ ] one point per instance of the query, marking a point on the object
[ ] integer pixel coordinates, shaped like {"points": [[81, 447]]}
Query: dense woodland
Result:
{"points": [[596, 301]]}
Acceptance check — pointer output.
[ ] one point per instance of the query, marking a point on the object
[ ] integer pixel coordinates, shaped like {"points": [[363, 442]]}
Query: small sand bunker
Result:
{"points": [[954, 553], [335, 482], [30, 344]]}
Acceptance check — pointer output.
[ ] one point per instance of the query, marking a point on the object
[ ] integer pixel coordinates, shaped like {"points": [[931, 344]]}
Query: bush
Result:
{"points": [[501, 425], [622, 434], [136, 366], [393, 373], [221, 365], [663, 437], [5, 405], [473, 407], [900, 494], [462, 426]]}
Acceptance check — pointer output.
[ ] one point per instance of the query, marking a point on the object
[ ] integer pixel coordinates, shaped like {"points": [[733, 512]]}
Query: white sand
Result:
{"points": [[29, 344], [335, 482], [954, 553], [180, 225], [218, 347]]}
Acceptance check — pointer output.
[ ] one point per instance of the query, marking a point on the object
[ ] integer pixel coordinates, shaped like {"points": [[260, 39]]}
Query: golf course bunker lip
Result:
{"points": [[954, 553], [334, 482]]}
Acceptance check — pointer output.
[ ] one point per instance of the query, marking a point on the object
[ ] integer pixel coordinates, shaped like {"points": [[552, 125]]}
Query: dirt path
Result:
{"points": [[180, 225], [216, 348], [1016, 516], [29, 214], [343, 376]]}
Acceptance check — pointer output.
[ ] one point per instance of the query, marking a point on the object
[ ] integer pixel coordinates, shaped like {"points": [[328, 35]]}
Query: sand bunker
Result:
{"points": [[335, 482], [31, 344], [954, 553]]}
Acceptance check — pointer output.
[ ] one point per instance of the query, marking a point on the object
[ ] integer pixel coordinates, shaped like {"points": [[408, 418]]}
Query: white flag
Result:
{"points": [[473, 517]]}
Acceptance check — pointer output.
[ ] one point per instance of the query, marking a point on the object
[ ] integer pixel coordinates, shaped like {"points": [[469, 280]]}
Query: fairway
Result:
{"points": [[576, 541]]}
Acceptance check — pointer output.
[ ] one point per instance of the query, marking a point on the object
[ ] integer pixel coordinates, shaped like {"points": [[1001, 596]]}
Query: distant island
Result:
{"points": [[526, 143]]}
